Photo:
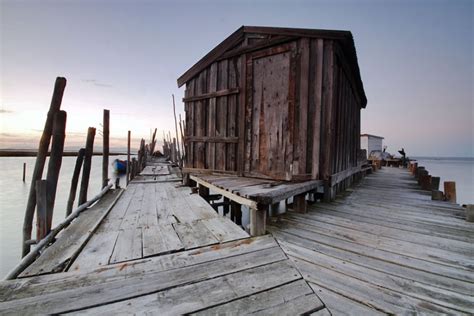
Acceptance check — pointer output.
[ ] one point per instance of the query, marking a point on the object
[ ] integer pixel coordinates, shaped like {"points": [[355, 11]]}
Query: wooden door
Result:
{"points": [[270, 112]]}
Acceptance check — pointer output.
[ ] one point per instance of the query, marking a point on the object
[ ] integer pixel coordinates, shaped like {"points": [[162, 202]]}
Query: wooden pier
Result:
{"points": [[385, 247]]}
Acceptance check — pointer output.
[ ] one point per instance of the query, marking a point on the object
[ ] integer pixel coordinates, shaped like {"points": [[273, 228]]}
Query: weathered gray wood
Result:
{"points": [[194, 234], [43, 147], [340, 305], [55, 161], [103, 274], [159, 239], [128, 157], [128, 245], [105, 148], [86, 170], [66, 296], [223, 229], [189, 298], [74, 181], [264, 300], [57, 257], [258, 219], [43, 226]]}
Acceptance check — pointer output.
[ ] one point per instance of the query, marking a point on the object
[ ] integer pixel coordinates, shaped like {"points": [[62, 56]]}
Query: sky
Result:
{"points": [[416, 61]]}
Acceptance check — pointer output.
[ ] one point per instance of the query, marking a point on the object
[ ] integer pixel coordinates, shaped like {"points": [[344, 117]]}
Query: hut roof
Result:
{"points": [[344, 37]]}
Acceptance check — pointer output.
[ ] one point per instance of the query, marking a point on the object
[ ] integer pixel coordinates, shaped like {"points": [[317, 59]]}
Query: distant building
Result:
{"points": [[371, 143]]}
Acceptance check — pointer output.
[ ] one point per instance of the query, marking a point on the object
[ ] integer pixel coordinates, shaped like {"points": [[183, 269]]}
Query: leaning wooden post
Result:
{"points": [[24, 171], [56, 100], [42, 228], [105, 148], [55, 161], [74, 181], [128, 158], [177, 137], [450, 191], [86, 171]]}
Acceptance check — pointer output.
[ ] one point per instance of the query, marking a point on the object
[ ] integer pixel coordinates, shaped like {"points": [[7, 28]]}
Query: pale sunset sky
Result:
{"points": [[416, 61]]}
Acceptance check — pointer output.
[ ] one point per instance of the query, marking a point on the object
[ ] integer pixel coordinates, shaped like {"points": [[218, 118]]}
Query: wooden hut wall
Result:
{"points": [[211, 106], [326, 113]]}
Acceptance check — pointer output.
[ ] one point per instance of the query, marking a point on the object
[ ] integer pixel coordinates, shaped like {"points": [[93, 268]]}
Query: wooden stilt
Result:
{"points": [[86, 171], [105, 150], [450, 191], [42, 227], [56, 100], [236, 212], [24, 171], [258, 218], [55, 161], [128, 158], [74, 181], [299, 203]]}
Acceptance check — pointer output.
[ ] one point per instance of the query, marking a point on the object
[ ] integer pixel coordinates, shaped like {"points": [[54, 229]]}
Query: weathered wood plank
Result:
{"points": [[160, 239], [71, 241], [264, 301], [224, 229], [194, 234], [128, 245], [68, 297], [193, 297]]}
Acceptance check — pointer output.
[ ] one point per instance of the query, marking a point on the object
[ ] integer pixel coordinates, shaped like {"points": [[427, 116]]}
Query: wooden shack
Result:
{"points": [[275, 103]]}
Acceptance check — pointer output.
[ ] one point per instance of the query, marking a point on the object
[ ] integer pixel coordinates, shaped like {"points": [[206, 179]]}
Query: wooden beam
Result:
{"points": [[86, 171], [211, 139], [341, 176], [207, 171], [230, 195], [258, 220], [105, 148], [215, 94], [74, 181]]}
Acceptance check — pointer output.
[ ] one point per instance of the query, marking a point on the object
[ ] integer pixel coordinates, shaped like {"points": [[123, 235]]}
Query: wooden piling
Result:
{"points": [[450, 191], [435, 183], [182, 139], [86, 171], [105, 148], [299, 203], [258, 219], [437, 195], [55, 161], [24, 171], [56, 100], [127, 180], [236, 212], [42, 228], [177, 137], [74, 181], [470, 213]]}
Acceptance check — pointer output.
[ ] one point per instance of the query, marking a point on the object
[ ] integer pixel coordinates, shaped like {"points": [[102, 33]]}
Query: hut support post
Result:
{"points": [[56, 100], [258, 219], [86, 171], [236, 212], [105, 150], [299, 203], [177, 137], [74, 181]]}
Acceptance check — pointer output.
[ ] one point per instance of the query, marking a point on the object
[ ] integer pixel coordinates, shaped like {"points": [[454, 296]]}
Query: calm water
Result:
{"points": [[13, 194]]}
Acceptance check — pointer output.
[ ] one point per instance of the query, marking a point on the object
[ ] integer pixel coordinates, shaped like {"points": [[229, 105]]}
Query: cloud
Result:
{"points": [[97, 83], [5, 111]]}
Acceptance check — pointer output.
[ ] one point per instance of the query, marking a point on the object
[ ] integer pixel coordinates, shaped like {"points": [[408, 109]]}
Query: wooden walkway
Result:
{"points": [[156, 248], [384, 248]]}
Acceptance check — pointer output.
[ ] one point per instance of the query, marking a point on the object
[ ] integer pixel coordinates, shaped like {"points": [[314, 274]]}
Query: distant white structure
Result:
{"points": [[370, 143]]}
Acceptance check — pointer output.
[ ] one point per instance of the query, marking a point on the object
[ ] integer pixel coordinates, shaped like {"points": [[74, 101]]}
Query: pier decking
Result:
{"points": [[384, 247]]}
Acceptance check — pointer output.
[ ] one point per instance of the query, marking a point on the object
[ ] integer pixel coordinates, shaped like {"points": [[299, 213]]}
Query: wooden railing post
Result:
{"points": [[105, 148], [55, 161], [74, 181], [86, 171], [56, 100]]}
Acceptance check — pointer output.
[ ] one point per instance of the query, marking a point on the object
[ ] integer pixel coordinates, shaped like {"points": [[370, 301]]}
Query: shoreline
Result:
{"points": [[33, 153]]}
